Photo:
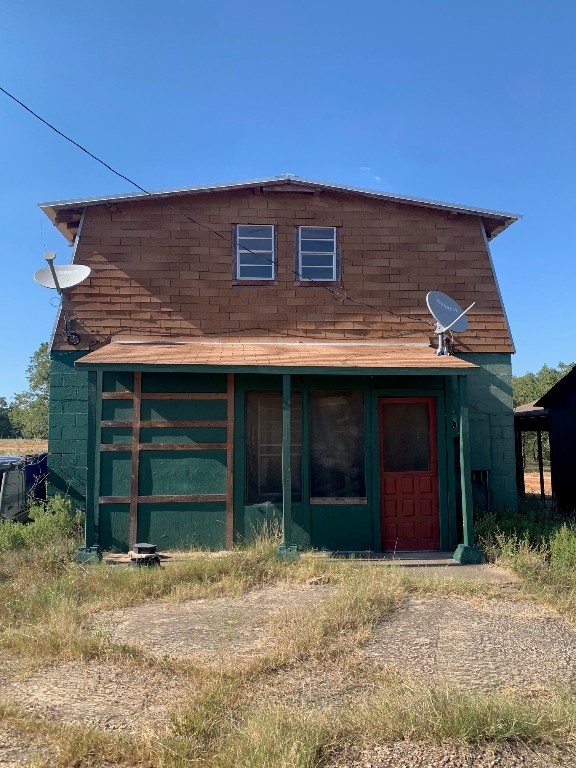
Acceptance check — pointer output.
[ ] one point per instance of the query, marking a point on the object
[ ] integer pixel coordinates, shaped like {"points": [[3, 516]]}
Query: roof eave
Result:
{"points": [[494, 221]]}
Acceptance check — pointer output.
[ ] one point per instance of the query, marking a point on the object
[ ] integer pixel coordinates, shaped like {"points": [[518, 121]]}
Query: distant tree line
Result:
{"points": [[27, 415], [531, 387]]}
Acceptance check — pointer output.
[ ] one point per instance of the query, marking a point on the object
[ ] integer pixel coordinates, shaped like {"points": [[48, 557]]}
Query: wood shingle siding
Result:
{"points": [[155, 273]]}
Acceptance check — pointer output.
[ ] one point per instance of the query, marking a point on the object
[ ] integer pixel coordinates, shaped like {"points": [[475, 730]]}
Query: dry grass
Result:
{"points": [[21, 447], [244, 716]]}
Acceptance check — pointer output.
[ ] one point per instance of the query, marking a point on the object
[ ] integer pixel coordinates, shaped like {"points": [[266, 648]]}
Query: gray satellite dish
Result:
{"points": [[449, 316], [67, 276], [61, 278], [447, 312]]}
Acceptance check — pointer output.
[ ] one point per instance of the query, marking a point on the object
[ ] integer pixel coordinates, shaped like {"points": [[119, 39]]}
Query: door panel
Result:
{"points": [[408, 474]]}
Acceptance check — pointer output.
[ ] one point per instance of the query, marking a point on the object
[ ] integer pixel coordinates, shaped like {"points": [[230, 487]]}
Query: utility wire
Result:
{"points": [[337, 295]]}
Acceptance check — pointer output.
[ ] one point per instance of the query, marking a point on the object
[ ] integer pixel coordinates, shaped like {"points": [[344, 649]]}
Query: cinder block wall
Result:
{"points": [[492, 425], [68, 427]]}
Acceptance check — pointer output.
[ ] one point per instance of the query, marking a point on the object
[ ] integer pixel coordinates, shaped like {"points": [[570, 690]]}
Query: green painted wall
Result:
{"points": [[171, 525], [68, 427], [492, 425], [339, 526], [183, 524]]}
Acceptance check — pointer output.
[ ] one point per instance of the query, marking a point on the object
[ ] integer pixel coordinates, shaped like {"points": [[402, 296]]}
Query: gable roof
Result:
{"points": [[65, 214]]}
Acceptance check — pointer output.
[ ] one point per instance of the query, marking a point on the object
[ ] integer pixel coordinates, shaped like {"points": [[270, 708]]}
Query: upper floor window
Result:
{"points": [[254, 251], [317, 253]]}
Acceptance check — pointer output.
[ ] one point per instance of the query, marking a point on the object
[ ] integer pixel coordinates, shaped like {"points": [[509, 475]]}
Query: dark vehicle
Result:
{"points": [[22, 479]]}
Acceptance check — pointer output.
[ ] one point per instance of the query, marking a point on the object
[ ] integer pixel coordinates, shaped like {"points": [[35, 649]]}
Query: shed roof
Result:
{"points": [[61, 211], [275, 356], [556, 393]]}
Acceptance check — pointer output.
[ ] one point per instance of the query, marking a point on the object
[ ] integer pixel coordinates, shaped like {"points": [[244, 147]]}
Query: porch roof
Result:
{"points": [[273, 356]]}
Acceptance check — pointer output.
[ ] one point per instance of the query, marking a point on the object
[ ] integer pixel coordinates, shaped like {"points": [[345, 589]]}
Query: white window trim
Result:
{"points": [[237, 264], [334, 255]]}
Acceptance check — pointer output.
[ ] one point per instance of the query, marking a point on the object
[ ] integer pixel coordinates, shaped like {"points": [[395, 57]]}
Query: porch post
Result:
{"points": [[541, 466], [286, 546], [90, 552], [466, 553]]}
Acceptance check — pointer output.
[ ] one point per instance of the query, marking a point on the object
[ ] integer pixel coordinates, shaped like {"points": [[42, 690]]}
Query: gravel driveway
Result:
{"points": [[485, 643]]}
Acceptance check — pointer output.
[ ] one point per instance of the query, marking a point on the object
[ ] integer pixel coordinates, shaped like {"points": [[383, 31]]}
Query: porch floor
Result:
{"points": [[405, 559]]}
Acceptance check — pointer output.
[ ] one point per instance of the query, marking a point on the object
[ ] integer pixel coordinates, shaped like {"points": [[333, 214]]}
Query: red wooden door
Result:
{"points": [[408, 474]]}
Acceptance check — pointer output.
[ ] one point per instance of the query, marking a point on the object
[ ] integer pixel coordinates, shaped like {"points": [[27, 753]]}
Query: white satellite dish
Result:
{"points": [[449, 316], [67, 276], [61, 278]]}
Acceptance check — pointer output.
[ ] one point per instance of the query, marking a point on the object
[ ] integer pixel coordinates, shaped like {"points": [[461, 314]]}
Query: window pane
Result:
{"points": [[255, 273], [246, 230], [315, 260], [337, 444], [254, 244], [256, 259], [317, 246], [322, 233], [406, 437], [264, 446], [317, 273], [255, 252]]}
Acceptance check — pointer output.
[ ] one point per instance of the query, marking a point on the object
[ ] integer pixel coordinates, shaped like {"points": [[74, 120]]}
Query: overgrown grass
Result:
{"points": [[540, 546], [234, 716]]}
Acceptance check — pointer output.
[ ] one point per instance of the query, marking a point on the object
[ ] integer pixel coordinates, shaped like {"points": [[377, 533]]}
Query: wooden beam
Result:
{"points": [[117, 396], [184, 395], [166, 447], [183, 446], [230, 464], [160, 424], [541, 465], [286, 467], [133, 524], [182, 499]]}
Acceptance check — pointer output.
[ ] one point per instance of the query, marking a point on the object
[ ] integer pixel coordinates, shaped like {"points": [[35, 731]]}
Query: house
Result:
{"points": [[559, 404], [253, 351]]}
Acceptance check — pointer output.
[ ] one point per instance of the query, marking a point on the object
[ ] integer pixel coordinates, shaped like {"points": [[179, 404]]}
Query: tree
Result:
{"points": [[6, 427], [29, 410], [532, 386]]}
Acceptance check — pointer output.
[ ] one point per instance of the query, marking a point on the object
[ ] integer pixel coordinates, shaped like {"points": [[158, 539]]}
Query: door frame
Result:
{"points": [[430, 402], [440, 390]]}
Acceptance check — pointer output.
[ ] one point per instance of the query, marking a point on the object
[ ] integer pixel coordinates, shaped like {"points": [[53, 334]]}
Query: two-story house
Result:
{"points": [[253, 350]]}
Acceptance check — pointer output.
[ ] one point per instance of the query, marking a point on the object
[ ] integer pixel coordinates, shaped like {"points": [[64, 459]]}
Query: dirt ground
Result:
{"points": [[532, 483], [488, 643], [21, 447]]}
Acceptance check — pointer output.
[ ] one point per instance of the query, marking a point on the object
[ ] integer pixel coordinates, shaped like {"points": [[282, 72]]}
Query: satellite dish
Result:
{"points": [[67, 276], [449, 316], [61, 278]]}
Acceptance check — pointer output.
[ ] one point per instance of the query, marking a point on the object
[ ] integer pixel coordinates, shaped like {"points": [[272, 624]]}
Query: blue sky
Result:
{"points": [[467, 102]]}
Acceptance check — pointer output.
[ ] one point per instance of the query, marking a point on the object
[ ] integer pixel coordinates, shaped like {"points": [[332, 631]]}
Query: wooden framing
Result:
{"points": [[136, 446], [230, 463], [198, 498], [133, 524]]}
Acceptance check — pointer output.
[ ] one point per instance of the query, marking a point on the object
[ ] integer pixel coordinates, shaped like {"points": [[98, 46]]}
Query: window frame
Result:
{"points": [[336, 261], [263, 447], [236, 266]]}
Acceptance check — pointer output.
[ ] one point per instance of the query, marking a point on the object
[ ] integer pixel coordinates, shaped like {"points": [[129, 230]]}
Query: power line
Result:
{"points": [[334, 292]]}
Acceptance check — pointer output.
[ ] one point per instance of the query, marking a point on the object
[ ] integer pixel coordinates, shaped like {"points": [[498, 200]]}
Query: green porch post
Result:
{"points": [[286, 549], [90, 552], [466, 553]]}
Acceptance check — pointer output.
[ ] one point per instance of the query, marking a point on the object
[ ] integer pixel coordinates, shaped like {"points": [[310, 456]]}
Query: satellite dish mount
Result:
{"points": [[449, 316], [61, 278]]}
